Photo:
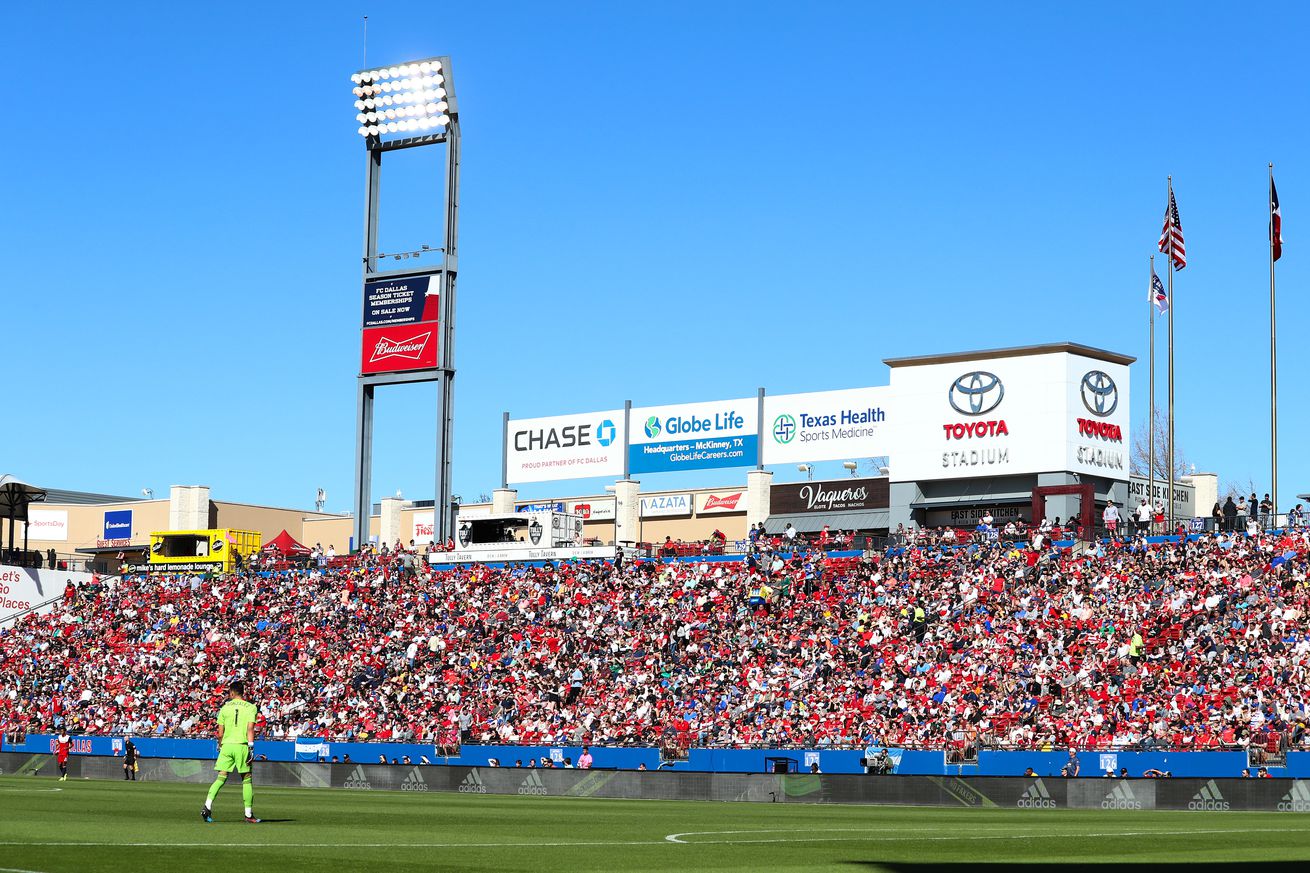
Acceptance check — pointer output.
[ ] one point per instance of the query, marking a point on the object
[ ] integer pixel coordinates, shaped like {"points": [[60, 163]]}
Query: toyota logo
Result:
{"points": [[1100, 394], [976, 393]]}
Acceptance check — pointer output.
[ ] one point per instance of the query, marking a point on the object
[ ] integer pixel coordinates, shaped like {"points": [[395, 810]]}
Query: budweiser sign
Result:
{"points": [[411, 348], [408, 347], [715, 503]]}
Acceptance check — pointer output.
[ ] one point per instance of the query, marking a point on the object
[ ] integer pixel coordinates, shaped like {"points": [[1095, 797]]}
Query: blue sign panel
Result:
{"points": [[400, 301], [694, 436], [118, 524], [540, 507]]}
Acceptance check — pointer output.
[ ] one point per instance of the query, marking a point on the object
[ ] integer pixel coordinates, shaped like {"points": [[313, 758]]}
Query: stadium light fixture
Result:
{"points": [[411, 98]]}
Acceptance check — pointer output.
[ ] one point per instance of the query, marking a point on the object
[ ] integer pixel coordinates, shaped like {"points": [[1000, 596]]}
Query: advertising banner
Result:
{"points": [[841, 495], [399, 348], [565, 446], [422, 528], [1010, 414], [827, 425], [541, 506], [971, 516], [721, 502], [1184, 496], [50, 525], [598, 509], [401, 301], [694, 436], [1098, 421], [118, 525], [22, 588], [658, 505]]}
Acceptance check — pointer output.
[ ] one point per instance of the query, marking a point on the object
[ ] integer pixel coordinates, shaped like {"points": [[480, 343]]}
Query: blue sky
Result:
{"points": [[672, 203]]}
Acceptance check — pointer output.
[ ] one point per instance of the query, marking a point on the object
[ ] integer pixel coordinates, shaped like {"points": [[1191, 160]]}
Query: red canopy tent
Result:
{"points": [[285, 544]]}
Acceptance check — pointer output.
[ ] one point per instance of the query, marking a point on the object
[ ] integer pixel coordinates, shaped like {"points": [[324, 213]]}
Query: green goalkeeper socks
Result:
{"points": [[213, 791], [248, 794]]}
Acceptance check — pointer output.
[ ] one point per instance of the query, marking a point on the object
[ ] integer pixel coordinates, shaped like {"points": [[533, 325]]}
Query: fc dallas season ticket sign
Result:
{"points": [[401, 325]]}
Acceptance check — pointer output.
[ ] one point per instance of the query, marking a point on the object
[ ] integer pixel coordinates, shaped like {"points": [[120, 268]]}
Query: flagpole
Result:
{"points": [[1173, 304], [1150, 422], [1273, 359]]}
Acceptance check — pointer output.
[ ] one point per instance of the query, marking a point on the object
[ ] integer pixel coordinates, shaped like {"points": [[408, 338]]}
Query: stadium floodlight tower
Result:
{"points": [[408, 329]]}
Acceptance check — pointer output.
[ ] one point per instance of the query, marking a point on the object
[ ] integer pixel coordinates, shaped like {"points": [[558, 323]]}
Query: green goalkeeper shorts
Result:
{"points": [[233, 758]]}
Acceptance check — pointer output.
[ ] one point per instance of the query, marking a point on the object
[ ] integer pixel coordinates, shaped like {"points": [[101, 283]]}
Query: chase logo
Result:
{"points": [[652, 427], [784, 429], [605, 433]]}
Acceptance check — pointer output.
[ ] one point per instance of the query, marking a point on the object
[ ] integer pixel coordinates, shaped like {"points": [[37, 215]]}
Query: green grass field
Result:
{"points": [[116, 827]]}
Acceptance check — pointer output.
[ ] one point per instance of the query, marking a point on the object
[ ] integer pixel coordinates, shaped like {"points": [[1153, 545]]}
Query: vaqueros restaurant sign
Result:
{"points": [[841, 495]]}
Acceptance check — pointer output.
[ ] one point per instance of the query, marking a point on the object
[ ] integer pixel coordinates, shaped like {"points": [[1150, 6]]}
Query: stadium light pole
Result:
{"points": [[404, 106]]}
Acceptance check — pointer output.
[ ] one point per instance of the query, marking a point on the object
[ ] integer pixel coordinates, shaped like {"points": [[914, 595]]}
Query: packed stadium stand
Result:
{"points": [[1193, 644]]}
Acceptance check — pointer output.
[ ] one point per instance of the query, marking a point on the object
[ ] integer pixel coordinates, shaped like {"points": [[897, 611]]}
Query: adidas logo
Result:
{"points": [[1036, 797], [1121, 797], [1209, 797], [414, 781], [533, 785], [1296, 800], [472, 784], [357, 779]]}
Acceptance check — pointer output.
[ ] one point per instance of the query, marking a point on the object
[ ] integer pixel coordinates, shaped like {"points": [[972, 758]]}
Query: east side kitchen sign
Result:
{"points": [[1010, 414], [839, 495], [564, 447]]}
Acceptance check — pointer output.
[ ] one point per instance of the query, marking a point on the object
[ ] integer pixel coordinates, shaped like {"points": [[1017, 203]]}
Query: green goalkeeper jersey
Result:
{"points": [[236, 718]]}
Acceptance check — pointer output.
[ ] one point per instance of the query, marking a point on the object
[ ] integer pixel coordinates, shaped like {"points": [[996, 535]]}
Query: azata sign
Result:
{"points": [[399, 348], [665, 504]]}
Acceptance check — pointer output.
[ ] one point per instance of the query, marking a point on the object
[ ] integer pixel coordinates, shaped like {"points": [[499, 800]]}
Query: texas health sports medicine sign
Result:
{"points": [[827, 425], [694, 436]]}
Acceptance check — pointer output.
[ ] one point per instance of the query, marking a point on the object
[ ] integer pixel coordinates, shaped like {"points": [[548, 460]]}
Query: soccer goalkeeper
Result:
{"points": [[236, 742]]}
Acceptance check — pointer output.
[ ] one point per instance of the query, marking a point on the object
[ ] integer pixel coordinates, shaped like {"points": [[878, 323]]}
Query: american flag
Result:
{"points": [[1158, 295], [1275, 221], [1171, 237]]}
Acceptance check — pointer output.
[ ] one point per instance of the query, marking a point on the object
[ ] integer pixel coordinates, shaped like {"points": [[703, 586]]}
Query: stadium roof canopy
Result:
{"points": [[15, 495]]}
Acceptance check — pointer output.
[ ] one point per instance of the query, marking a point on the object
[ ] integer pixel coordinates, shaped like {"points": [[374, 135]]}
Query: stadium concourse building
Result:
{"points": [[1021, 433]]}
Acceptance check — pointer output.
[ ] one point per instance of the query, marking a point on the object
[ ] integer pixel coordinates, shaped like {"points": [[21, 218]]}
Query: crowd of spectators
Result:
{"points": [[1198, 644]]}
